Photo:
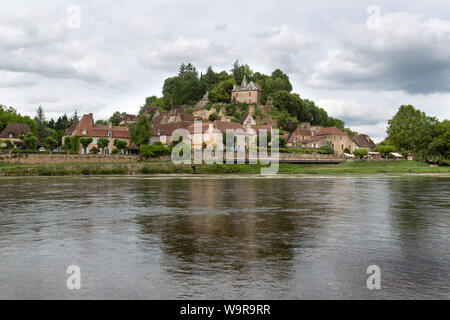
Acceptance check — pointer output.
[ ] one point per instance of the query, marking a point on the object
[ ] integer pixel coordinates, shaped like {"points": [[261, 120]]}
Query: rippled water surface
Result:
{"points": [[218, 237]]}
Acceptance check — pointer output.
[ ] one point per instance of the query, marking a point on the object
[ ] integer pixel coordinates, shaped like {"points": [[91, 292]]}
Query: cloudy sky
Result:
{"points": [[359, 60]]}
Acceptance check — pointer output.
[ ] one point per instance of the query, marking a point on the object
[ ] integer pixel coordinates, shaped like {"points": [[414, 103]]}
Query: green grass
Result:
{"points": [[357, 167]]}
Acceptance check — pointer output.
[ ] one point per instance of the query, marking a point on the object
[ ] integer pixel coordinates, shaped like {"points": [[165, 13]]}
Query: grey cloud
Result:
{"points": [[407, 53]]}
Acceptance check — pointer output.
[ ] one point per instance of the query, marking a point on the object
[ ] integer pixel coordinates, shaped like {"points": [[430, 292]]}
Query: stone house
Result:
{"points": [[203, 101], [363, 141], [128, 119], [332, 136], [298, 137], [177, 114], [163, 132], [12, 132], [248, 121], [246, 92], [86, 127]]}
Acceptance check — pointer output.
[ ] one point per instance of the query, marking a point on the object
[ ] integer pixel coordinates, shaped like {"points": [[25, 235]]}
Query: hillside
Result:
{"points": [[277, 104]]}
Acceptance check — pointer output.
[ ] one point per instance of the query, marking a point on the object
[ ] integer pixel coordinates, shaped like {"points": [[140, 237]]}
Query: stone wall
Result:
{"points": [[72, 158]]}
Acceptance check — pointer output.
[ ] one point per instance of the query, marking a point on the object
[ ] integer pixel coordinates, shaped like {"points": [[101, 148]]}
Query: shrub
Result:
{"points": [[154, 150], [360, 153], [85, 142], [326, 149]]}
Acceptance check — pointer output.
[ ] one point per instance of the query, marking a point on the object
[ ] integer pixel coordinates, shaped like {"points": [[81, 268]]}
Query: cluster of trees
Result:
{"points": [[187, 88], [411, 131], [290, 110], [102, 144], [42, 132], [8, 115]]}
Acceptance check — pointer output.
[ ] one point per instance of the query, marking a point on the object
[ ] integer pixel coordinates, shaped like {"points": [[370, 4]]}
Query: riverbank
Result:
{"points": [[134, 168]]}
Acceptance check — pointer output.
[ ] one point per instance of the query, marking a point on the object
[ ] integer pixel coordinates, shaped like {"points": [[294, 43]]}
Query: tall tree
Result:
{"points": [[41, 125], [411, 130], [116, 118], [140, 132]]}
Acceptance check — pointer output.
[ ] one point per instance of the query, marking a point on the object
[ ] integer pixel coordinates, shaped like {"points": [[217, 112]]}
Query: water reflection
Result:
{"points": [[225, 237]]}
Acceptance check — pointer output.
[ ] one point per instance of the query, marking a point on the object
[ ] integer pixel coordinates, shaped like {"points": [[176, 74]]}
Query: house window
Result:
{"points": [[11, 135], [342, 147], [249, 94], [110, 134], [83, 132], [249, 100], [237, 95]]}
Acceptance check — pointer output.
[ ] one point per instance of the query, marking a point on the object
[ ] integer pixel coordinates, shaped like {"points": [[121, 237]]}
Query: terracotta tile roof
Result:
{"points": [[299, 132], [177, 111], [14, 129], [204, 126], [363, 141], [166, 129], [314, 139], [266, 127], [72, 128], [87, 128], [330, 131], [224, 125]]}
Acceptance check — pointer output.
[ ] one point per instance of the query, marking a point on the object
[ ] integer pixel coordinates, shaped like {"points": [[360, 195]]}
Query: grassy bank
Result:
{"points": [[359, 167]]}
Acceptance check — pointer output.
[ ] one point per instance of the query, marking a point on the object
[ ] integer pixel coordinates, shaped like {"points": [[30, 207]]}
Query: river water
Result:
{"points": [[225, 237]]}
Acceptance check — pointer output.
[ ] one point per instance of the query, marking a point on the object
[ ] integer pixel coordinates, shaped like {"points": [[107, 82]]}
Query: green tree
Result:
{"points": [[411, 130], [120, 144], [221, 93], [85, 142], [67, 143], [213, 116], [29, 141], [116, 118], [102, 143], [186, 88], [238, 71], [41, 127], [10, 115], [51, 143], [140, 132], [360, 153], [439, 147], [74, 117]]}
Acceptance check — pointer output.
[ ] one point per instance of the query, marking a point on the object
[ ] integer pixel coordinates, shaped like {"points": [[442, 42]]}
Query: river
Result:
{"points": [[225, 237]]}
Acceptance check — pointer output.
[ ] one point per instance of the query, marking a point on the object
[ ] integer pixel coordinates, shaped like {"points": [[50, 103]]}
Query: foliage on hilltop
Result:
{"points": [[188, 87]]}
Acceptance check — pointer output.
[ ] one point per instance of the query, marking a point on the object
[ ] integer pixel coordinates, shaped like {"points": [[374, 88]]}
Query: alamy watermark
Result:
{"points": [[74, 280], [374, 280], [212, 146], [374, 20], [74, 17]]}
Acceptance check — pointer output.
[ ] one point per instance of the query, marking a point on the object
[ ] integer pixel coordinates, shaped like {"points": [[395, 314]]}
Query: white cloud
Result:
{"points": [[281, 47]]}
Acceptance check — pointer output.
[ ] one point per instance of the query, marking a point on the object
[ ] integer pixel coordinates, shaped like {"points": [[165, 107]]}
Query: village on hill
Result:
{"points": [[245, 102]]}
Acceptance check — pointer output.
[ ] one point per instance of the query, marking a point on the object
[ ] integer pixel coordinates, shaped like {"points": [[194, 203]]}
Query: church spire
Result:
{"points": [[244, 81]]}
